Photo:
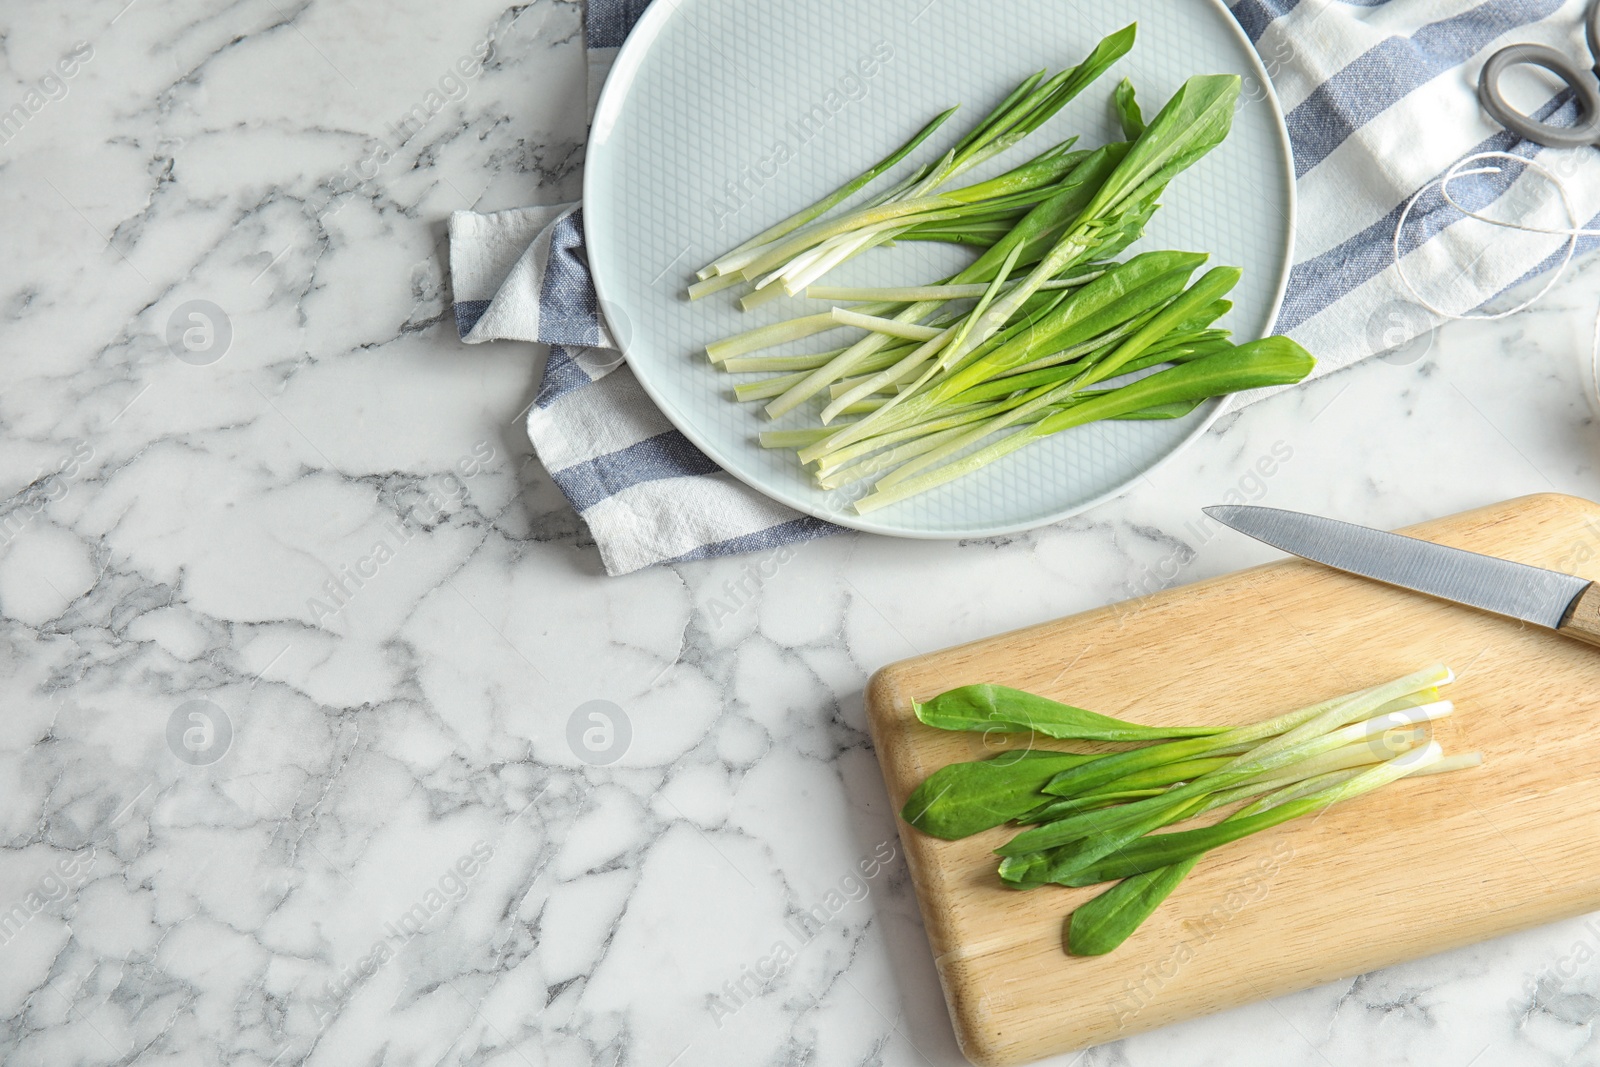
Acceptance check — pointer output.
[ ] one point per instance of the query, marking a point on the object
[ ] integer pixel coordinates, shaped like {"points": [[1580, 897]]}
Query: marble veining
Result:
{"points": [[325, 740]]}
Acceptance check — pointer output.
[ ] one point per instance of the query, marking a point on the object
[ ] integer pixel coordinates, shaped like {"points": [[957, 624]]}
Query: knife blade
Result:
{"points": [[1533, 594]]}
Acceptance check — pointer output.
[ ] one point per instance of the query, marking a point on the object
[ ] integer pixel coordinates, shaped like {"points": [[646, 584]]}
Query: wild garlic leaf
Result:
{"points": [[1109, 919], [1127, 108], [967, 798], [987, 707]]}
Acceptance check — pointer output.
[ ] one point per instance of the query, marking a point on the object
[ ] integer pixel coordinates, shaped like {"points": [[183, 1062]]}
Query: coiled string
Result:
{"points": [[1572, 232]]}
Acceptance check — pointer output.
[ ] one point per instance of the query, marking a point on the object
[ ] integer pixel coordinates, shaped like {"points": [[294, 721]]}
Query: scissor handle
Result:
{"points": [[1592, 30], [1582, 83]]}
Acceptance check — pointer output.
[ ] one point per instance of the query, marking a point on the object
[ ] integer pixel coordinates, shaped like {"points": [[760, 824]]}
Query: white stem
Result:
{"points": [[711, 285], [930, 292], [812, 255], [755, 298], [894, 374], [748, 364], [843, 474], [795, 281], [1460, 762], [909, 330], [767, 387], [766, 336], [788, 438], [1379, 725]]}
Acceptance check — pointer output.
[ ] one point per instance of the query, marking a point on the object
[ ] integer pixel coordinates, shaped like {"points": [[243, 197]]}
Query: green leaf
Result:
{"points": [[1028, 871], [983, 131], [845, 191], [1041, 226], [1107, 921], [1162, 850], [1081, 780], [1134, 786], [1060, 809], [1050, 97], [1192, 304], [1047, 168], [1201, 318], [1171, 773], [967, 798], [1162, 411], [1269, 361], [1128, 299], [1193, 122], [1086, 851], [997, 707], [1033, 103], [1121, 293], [1127, 110], [1012, 754], [1094, 824]]}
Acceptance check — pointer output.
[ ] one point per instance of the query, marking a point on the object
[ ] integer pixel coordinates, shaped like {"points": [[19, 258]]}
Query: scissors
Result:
{"points": [[1582, 82]]}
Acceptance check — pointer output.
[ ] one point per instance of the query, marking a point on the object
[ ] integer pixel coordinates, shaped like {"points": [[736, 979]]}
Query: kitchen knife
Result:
{"points": [[1547, 598]]}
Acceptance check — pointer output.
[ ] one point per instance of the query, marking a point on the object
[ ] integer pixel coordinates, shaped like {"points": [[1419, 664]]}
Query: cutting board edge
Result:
{"points": [[887, 705], [884, 692], [984, 1047]]}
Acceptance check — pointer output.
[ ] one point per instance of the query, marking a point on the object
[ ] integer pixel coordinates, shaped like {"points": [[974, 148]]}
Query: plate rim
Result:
{"points": [[619, 78]]}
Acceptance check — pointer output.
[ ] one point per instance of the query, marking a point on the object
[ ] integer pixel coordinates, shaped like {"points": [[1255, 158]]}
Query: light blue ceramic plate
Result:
{"points": [[723, 116]]}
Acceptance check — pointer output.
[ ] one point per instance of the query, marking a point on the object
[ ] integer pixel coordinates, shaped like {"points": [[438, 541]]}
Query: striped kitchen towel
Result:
{"points": [[1380, 99]]}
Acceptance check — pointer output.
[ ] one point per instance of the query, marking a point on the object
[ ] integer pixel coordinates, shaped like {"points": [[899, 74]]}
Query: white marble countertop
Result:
{"points": [[386, 849]]}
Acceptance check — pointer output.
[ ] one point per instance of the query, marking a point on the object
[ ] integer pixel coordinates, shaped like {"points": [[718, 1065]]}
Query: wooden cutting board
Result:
{"points": [[1421, 866]]}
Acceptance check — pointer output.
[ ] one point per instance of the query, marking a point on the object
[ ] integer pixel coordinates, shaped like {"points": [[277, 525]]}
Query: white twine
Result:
{"points": [[1571, 232], [1457, 170]]}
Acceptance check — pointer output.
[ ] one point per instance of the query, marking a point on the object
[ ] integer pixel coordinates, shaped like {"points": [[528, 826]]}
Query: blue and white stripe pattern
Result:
{"points": [[1379, 98], [646, 493]]}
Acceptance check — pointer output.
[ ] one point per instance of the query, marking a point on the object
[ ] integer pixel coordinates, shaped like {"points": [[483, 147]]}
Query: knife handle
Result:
{"points": [[1583, 616]]}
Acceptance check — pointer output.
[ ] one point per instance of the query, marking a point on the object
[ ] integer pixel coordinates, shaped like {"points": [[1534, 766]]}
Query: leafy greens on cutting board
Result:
{"points": [[1420, 867], [1092, 817]]}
